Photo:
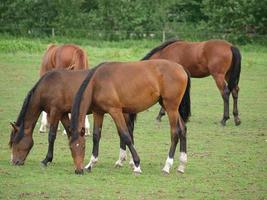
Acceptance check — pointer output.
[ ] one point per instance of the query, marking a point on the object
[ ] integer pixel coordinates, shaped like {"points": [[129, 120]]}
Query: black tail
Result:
{"points": [[235, 68], [185, 105], [76, 104]]}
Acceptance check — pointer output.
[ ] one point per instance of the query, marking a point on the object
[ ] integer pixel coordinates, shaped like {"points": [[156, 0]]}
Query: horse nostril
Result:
{"points": [[17, 162]]}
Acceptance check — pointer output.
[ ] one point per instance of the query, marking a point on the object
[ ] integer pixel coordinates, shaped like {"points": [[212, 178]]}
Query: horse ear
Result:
{"points": [[82, 131], [14, 126]]}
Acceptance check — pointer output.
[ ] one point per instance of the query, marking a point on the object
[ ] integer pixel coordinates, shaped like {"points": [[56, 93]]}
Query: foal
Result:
{"points": [[131, 87], [54, 94]]}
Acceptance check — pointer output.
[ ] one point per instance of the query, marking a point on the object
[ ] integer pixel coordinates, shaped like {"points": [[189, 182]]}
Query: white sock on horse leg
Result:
{"points": [[168, 165], [183, 161], [122, 157], [44, 123]]}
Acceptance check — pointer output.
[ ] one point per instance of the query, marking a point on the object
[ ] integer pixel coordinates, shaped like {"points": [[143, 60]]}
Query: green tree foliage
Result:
{"points": [[132, 18]]}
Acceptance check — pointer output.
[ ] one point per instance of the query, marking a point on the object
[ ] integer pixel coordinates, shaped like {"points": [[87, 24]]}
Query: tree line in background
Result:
{"points": [[118, 19]]}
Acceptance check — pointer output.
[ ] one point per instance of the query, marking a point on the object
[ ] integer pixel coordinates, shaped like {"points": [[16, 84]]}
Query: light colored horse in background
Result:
{"points": [[66, 56]]}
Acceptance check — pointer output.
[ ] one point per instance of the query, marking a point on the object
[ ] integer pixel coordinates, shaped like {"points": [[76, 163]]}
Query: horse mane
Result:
{"points": [[77, 101], [159, 48], [22, 114]]}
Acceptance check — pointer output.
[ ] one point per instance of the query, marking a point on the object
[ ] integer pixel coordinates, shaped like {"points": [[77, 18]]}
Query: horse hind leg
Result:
{"points": [[183, 145], [173, 119], [235, 109], [44, 123], [225, 92]]}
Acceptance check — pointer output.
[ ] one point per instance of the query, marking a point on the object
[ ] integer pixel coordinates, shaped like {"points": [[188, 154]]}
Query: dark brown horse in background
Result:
{"points": [[131, 87], [217, 58], [54, 94], [67, 56]]}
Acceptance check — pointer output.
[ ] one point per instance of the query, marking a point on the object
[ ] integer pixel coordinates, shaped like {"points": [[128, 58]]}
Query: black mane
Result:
{"points": [[77, 101], [22, 114], [158, 48]]}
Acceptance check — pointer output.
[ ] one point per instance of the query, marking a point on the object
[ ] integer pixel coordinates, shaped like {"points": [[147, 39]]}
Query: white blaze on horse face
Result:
{"points": [[122, 157], [168, 165], [92, 162], [183, 161]]}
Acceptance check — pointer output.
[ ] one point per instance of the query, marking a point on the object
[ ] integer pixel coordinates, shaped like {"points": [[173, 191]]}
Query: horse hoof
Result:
{"points": [[158, 119], [79, 171], [43, 163], [223, 122], [89, 169], [165, 172], [118, 164], [237, 122], [180, 169]]}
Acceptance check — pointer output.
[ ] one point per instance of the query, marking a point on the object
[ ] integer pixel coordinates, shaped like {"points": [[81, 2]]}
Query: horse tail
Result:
{"points": [[185, 105], [75, 111], [79, 59], [235, 68], [48, 61]]}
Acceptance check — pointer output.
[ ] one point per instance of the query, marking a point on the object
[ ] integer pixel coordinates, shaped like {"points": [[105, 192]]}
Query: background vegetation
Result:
{"points": [[238, 20]]}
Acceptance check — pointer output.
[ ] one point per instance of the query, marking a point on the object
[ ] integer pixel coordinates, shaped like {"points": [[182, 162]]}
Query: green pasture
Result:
{"points": [[223, 162]]}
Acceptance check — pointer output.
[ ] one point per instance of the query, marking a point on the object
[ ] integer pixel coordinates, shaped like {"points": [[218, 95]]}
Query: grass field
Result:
{"points": [[223, 162]]}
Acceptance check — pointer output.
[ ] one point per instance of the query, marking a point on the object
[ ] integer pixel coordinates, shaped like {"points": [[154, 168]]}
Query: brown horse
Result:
{"points": [[131, 87], [54, 94], [67, 56], [217, 58]]}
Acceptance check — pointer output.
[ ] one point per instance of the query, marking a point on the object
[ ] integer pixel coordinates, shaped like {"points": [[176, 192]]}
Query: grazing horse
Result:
{"points": [[54, 94], [67, 56], [131, 87], [217, 58]]}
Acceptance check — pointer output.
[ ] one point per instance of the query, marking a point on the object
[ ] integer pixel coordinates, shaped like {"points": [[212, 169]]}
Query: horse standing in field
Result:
{"points": [[54, 94], [67, 56], [131, 87], [217, 58]]}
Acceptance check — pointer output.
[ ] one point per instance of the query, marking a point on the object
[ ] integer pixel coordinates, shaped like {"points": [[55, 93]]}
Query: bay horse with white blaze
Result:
{"points": [[131, 87], [54, 94], [67, 56], [217, 58]]}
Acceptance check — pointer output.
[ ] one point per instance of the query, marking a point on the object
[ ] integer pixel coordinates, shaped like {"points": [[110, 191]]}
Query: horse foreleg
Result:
{"points": [[65, 120], [98, 121], [235, 110], [161, 114], [51, 139]]}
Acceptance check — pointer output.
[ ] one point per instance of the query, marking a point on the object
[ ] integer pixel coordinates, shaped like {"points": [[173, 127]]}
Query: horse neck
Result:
{"points": [[31, 117]]}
